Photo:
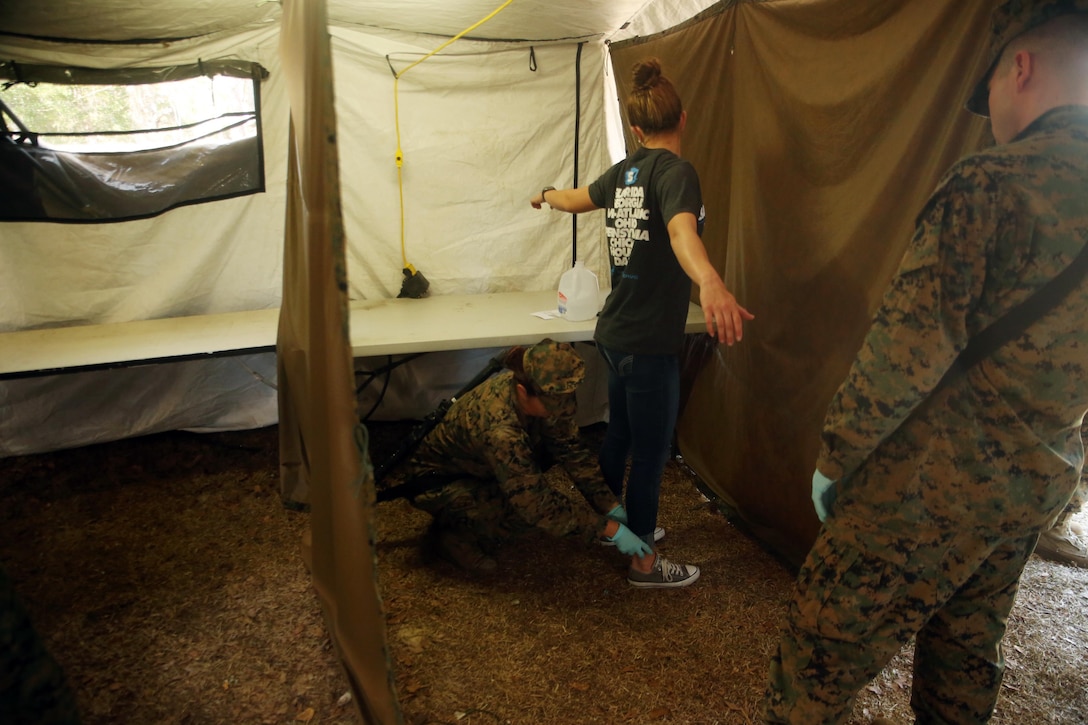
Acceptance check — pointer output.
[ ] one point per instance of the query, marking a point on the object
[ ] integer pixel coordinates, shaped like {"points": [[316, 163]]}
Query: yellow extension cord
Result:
{"points": [[396, 115]]}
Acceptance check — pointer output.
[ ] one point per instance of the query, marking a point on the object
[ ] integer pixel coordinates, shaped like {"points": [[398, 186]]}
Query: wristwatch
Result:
{"points": [[545, 190]]}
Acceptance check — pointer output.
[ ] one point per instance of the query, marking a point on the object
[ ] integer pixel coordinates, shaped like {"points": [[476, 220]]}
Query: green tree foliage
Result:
{"points": [[49, 108], [52, 108]]}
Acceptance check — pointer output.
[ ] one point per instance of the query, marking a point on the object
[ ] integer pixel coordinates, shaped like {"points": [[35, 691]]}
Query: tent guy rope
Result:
{"points": [[414, 283]]}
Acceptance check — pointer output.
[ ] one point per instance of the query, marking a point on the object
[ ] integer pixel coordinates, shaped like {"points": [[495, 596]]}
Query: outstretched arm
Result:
{"points": [[724, 316], [575, 201]]}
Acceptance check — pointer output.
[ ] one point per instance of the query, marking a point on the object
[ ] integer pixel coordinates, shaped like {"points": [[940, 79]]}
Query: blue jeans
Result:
{"points": [[643, 399]]}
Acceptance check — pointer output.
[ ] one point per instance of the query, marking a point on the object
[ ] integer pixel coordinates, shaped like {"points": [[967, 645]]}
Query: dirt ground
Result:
{"points": [[165, 576]]}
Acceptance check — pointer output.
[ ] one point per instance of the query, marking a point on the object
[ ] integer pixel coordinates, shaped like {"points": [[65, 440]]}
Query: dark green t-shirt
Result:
{"points": [[647, 308]]}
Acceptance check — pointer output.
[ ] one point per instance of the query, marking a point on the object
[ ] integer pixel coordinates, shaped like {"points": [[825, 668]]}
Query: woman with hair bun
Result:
{"points": [[653, 226]]}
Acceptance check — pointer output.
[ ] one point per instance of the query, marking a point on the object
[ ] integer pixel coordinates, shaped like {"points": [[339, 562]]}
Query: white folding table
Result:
{"points": [[378, 327]]}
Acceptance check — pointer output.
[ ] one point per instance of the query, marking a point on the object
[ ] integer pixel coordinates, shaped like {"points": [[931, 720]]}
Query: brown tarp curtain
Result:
{"points": [[323, 451], [818, 128]]}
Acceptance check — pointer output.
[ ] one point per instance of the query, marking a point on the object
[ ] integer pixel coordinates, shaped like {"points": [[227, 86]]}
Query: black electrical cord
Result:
{"points": [[381, 394], [387, 369]]}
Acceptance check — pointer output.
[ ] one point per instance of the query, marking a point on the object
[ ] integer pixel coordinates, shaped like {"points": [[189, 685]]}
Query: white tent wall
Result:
{"points": [[214, 257], [659, 15], [222, 256], [55, 412], [480, 132], [483, 126]]}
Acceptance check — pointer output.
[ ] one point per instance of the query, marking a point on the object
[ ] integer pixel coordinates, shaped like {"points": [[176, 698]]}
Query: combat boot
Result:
{"points": [[460, 548], [1061, 545]]}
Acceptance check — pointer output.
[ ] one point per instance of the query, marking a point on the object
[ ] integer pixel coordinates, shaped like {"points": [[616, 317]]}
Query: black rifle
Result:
{"points": [[408, 446]]}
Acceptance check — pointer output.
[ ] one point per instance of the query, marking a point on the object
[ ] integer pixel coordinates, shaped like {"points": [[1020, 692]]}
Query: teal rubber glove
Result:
{"points": [[626, 541], [618, 514], [823, 494]]}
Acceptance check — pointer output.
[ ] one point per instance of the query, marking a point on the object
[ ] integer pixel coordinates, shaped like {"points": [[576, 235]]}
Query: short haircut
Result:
{"points": [[1062, 42]]}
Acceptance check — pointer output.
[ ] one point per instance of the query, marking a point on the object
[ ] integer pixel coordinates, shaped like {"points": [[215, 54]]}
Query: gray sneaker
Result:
{"points": [[664, 575], [659, 534]]}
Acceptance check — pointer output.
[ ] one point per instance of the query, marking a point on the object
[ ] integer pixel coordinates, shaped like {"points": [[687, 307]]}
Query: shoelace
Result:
{"points": [[670, 571]]}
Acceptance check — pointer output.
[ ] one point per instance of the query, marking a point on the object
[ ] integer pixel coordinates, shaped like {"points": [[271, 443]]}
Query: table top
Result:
{"points": [[378, 327], [461, 322]]}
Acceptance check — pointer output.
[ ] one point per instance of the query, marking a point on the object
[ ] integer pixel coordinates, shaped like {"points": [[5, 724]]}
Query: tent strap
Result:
{"points": [[577, 136]]}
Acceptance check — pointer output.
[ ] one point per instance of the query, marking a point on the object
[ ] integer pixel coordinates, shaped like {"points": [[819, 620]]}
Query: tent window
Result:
{"points": [[85, 145]]}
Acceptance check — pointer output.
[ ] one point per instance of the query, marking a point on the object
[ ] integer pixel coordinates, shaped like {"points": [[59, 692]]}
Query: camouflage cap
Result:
{"points": [[560, 405], [1010, 19], [554, 367]]}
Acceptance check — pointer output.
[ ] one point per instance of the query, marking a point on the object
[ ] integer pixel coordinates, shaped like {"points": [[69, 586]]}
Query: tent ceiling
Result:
{"points": [[521, 20], [118, 20]]}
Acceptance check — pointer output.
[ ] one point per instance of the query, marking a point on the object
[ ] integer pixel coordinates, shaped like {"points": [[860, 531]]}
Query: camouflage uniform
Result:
{"points": [[1075, 505], [942, 490], [33, 688], [494, 458]]}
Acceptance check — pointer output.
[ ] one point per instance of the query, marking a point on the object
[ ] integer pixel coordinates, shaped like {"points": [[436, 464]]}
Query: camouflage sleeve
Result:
{"points": [[565, 445], [33, 687], [920, 327], [521, 480]]}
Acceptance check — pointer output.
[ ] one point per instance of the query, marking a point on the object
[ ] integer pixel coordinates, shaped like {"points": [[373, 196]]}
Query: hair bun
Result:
{"points": [[646, 74], [512, 358]]}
